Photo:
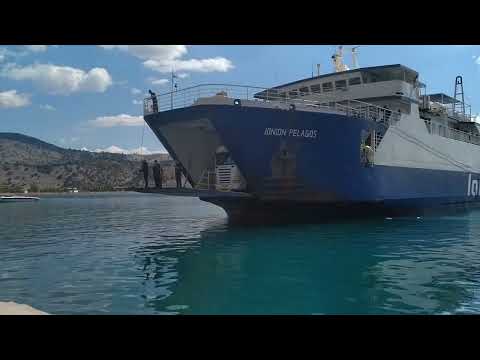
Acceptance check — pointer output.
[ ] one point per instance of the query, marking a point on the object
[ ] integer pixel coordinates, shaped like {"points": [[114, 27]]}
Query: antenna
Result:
{"points": [[354, 57]]}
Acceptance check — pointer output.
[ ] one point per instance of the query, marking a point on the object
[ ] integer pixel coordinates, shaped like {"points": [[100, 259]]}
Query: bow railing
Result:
{"points": [[311, 101]]}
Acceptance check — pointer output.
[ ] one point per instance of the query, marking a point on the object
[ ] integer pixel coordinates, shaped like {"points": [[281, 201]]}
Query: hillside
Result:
{"points": [[31, 164]]}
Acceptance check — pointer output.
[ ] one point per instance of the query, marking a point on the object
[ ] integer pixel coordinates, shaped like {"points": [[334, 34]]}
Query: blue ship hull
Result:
{"points": [[308, 163]]}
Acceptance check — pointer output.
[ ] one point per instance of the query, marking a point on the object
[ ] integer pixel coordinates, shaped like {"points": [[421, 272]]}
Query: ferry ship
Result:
{"points": [[354, 142]]}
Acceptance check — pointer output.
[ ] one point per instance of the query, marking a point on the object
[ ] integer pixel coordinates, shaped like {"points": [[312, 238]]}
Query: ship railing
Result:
{"points": [[451, 133], [188, 96], [448, 109], [458, 115]]}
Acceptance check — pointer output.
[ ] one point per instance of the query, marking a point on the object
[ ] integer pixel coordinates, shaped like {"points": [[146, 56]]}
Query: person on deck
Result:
{"points": [[157, 174], [145, 172], [154, 101], [178, 174]]}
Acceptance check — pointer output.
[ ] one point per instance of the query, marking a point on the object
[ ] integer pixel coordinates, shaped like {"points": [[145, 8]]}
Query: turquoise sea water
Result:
{"points": [[125, 253]]}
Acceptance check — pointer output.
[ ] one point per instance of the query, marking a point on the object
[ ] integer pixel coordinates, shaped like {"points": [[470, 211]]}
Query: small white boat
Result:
{"points": [[18, 198]]}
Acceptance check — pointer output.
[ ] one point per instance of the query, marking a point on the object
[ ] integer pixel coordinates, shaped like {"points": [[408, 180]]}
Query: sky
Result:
{"points": [[90, 97]]}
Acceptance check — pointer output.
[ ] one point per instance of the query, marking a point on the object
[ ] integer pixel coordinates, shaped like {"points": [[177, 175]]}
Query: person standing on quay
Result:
{"points": [[178, 174], [157, 175], [145, 172]]}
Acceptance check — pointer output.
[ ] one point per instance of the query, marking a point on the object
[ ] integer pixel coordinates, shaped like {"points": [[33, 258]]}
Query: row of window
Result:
{"points": [[324, 87]]}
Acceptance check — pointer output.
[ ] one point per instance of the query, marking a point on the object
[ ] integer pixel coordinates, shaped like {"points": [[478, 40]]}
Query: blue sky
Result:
{"points": [[84, 96]]}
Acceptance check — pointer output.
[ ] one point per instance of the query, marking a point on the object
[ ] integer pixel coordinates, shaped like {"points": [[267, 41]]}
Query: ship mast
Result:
{"points": [[354, 57], [459, 97]]}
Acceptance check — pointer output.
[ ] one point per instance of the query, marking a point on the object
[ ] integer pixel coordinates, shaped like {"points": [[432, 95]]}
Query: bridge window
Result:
{"points": [[315, 88], [304, 91], [354, 81], [327, 87], [271, 93], [341, 84], [388, 74]]}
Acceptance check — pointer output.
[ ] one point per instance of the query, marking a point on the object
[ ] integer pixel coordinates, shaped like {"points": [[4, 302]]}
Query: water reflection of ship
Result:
{"points": [[159, 259], [434, 271], [225, 273]]}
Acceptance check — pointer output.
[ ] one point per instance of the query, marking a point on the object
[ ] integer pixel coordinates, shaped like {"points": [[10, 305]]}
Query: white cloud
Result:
{"points": [[200, 65], [47, 107], [137, 102], [146, 52], [477, 61], [136, 91], [164, 58], [182, 75], [159, 81], [84, 149], [36, 48], [12, 99], [60, 80], [117, 120], [4, 53], [118, 150]]}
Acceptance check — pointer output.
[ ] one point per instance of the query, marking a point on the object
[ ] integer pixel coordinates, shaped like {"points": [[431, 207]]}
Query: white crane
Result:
{"points": [[338, 60]]}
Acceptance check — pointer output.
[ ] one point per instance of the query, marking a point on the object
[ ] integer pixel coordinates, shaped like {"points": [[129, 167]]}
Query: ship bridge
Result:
{"points": [[393, 85]]}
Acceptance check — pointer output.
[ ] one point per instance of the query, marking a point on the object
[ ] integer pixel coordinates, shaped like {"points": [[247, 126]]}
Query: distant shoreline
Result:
{"points": [[58, 193], [38, 194]]}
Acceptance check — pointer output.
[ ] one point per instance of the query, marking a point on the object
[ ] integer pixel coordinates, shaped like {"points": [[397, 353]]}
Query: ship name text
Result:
{"points": [[472, 186], [306, 133]]}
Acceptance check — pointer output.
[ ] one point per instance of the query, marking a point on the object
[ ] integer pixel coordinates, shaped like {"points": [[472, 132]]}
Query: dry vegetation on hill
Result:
{"points": [[31, 164]]}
